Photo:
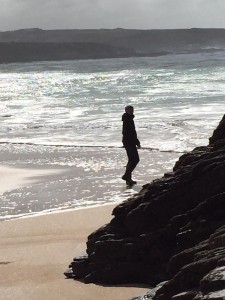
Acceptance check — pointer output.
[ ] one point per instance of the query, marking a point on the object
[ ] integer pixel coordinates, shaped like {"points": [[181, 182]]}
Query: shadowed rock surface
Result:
{"points": [[173, 230]]}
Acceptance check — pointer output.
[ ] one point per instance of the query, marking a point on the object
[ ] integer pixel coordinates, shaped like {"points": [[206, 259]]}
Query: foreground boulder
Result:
{"points": [[173, 230]]}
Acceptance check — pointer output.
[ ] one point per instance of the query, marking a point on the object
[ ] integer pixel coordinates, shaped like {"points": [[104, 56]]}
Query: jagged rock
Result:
{"points": [[69, 273], [196, 269], [151, 293], [219, 295], [213, 281], [173, 230], [185, 296], [219, 133]]}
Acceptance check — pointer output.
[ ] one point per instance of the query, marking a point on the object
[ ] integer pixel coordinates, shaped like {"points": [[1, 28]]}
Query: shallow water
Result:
{"points": [[86, 177]]}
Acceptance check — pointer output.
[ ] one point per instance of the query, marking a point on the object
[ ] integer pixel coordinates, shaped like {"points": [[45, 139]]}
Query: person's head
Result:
{"points": [[129, 109]]}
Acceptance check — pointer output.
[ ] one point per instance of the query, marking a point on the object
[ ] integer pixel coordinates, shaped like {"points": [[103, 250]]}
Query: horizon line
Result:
{"points": [[116, 28]]}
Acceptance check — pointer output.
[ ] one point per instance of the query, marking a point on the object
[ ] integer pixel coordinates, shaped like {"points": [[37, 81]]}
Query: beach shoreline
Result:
{"points": [[36, 180], [37, 248]]}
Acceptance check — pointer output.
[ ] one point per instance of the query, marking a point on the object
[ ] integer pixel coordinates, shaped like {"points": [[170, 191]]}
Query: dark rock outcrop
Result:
{"points": [[173, 230]]}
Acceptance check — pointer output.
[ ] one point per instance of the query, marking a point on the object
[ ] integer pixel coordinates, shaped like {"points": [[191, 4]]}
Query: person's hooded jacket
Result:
{"points": [[129, 131]]}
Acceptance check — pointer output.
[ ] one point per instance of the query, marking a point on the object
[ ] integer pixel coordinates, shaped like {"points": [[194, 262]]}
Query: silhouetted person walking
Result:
{"points": [[130, 142]]}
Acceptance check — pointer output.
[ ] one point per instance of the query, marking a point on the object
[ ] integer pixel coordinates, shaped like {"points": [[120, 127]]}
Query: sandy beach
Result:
{"points": [[35, 251], [51, 199]]}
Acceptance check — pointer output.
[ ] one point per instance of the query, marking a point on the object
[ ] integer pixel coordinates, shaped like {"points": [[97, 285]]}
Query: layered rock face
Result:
{"points": [[173, 230]]}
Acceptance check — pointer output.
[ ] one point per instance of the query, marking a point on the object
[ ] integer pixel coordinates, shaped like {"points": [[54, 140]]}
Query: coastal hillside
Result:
{"points": [[107, 43], [170, 235], [28, 52]]}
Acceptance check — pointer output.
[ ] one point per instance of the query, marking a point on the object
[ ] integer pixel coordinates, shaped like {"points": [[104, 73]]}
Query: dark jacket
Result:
{"points": [[129, 132]]}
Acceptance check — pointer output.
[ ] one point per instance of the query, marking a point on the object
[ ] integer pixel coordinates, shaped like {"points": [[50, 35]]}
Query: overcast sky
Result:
{"points": [[142, 14]]}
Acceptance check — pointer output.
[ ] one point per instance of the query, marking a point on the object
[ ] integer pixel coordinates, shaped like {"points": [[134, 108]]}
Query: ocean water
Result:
{"points": [[76, 106], [178, 100]]}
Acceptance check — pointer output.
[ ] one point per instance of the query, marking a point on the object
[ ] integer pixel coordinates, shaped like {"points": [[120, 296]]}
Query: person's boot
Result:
{"points": [[127, 176], [132, 181]]}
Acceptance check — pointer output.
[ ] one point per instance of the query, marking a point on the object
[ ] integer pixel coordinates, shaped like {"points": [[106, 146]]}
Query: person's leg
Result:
{"points": [[133, 159]]}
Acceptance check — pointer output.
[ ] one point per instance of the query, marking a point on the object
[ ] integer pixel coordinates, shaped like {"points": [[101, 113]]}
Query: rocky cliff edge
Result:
{"points": [[172, 232]]}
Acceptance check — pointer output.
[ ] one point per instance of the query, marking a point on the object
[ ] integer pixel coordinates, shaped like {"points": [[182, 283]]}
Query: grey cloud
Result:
{"points": [[144, 14]]}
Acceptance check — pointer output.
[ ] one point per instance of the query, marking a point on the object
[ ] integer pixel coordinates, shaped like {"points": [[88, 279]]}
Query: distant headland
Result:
{"points": [[34, 44]]}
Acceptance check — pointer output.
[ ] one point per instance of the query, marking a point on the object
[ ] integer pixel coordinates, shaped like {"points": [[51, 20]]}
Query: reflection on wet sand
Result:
{"points": [[68, 177]]}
